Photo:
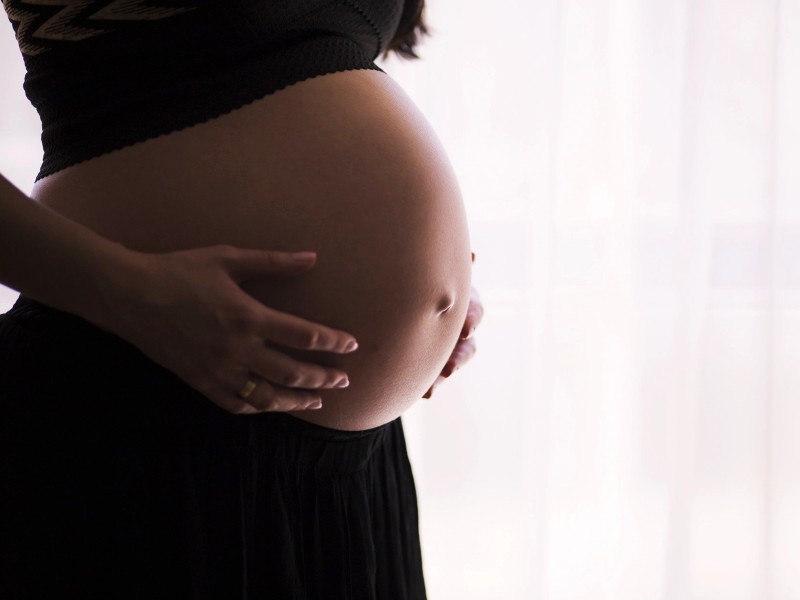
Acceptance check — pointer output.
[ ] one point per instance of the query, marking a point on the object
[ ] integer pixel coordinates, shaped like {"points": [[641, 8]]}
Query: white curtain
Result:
{"points": [[630, 425]]}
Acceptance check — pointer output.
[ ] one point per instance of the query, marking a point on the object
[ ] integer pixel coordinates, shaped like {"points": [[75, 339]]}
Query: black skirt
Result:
{"points": [[118, 480]]}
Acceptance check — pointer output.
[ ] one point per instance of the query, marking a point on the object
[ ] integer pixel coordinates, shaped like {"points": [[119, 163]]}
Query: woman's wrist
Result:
{"points": [[117, 276]]}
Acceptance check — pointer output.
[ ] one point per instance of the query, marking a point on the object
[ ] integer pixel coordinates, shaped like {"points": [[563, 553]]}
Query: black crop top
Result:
{"points": [[104, 74]]}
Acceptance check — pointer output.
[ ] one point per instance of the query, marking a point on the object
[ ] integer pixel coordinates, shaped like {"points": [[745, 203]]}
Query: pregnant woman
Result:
{"points": [[254, 124]]}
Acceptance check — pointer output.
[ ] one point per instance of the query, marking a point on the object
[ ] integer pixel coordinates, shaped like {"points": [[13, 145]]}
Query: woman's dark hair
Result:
{"points": [[410, 30]]}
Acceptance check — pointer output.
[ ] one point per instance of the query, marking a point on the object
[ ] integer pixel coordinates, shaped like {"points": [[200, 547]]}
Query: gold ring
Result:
{"points": [[247, 389]]}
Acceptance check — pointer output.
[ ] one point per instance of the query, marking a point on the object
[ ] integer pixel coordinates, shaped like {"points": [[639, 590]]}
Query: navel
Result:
{"points": [[445, 303]]}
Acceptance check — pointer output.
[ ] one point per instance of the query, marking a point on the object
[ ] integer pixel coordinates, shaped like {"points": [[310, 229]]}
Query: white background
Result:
{"points": [[629, 426]]}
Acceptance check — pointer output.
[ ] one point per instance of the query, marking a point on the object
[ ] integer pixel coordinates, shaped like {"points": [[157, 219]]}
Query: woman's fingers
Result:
{"points": [[243, 263], [288, 372], [463, 352], [266, 398], [275, 375], [295, 332], [474, 315], [232, 404]]}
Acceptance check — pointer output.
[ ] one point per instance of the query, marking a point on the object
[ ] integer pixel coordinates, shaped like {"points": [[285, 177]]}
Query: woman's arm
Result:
{"points": [[200, 324]]}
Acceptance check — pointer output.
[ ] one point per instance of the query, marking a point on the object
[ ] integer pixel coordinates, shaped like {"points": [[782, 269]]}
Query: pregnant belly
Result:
{"points": [[343, 164]]}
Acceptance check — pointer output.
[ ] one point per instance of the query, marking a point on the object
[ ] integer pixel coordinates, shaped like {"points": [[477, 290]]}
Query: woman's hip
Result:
{"points": [[118, 477]]}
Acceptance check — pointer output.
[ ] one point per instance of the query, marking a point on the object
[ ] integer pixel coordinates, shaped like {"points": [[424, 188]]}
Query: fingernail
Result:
{"points": [[473, 256], [315, 405], [428, 394], [447, 372], [343, 383], [301, 257], [351, 345]]}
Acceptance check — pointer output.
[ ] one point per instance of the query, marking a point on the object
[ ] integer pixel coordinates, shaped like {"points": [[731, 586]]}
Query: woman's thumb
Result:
{"points": [[250, 264]]}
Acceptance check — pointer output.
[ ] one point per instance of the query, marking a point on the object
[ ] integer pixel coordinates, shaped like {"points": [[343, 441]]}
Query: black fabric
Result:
{"points": [[116, 72], [117, 480]]}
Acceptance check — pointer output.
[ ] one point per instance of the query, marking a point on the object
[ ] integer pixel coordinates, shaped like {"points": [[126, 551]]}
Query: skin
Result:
{"points": [[204, 328], [342, 164], [200, 323]]}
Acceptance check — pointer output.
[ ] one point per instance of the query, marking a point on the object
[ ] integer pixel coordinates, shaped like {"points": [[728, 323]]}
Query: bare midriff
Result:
{"points": [[343, 164]]}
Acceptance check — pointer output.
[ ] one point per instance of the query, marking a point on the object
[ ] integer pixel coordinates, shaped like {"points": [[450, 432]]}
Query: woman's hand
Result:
{"points": [[186, 311], [465, 347]]}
